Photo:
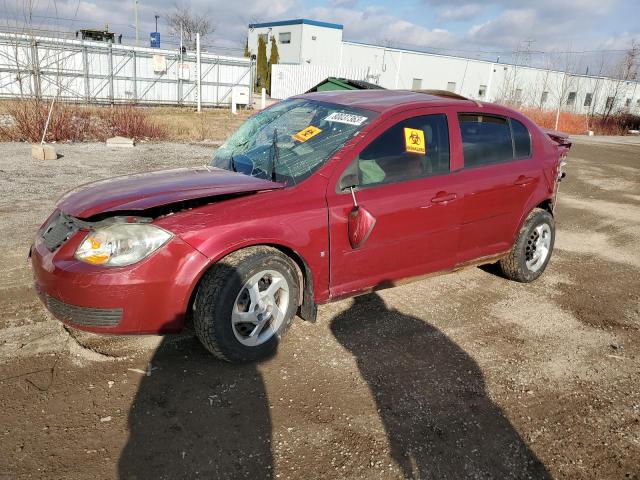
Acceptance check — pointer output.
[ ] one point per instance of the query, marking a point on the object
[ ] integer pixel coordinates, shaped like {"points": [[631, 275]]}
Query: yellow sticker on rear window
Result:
{"points": [[414, 141], [307, 133]]}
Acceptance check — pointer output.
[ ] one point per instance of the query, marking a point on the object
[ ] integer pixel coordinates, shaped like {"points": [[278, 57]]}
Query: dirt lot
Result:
{"points": [[462, 376]]}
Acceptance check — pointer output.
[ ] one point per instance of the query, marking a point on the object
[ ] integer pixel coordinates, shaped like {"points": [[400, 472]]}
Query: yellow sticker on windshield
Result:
{"points": [[414, 141], [307, 133]]}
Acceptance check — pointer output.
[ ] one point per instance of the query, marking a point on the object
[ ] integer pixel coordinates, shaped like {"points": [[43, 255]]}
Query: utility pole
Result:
{"points": [[157, 17], [527, 52], [135, 13]]}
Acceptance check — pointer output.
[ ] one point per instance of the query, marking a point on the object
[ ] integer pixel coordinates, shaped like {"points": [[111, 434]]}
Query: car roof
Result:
{"points": [[384, 100]]}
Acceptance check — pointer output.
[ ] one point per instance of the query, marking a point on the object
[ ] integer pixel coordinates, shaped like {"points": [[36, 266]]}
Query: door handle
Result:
{"points": [[444, 197], [523, 181]]}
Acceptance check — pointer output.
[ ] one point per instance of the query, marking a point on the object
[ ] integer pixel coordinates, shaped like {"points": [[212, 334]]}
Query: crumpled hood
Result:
{"points": [[154, 189]]}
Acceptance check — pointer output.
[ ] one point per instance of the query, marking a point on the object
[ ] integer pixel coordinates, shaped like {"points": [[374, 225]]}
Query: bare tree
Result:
{"points": [[625, 71], [183, 22]]}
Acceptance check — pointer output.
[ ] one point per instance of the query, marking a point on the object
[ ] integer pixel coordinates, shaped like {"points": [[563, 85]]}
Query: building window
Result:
{"points": [[482, 91], [627, 103], [313, 37], [609, 103], [638, 102], [284, 37], [545, 96], [451, 86], [588, 98], [571, 98], [416, 84]]}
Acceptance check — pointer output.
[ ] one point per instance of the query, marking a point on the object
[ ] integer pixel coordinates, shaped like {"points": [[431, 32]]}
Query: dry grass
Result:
{"points": [[185, 124], [574, 123], [78, 123]]}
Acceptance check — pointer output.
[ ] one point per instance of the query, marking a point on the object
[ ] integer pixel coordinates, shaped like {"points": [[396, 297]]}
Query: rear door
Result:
{"points": [[499, 176], [404, 181]]}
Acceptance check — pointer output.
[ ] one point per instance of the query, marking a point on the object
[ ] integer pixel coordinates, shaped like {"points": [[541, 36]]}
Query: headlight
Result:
{"points": [[121, 244]]}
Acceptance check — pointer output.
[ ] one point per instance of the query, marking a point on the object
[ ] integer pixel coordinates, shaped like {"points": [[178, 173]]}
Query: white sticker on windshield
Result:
{"points": [[347, 118]]}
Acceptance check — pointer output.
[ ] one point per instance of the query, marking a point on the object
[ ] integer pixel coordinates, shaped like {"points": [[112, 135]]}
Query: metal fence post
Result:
{"points": [[218, 82], [199, 73], [251, 84], [179, 80], [35, 68], [135, 78], [111, 73], [85, 67]]}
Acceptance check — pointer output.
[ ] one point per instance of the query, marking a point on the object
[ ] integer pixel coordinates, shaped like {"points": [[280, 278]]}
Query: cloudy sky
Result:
{"points": [[478, 28]]}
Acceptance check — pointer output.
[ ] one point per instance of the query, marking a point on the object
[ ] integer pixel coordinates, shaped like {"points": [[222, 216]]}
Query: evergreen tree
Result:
{"points": [[247, 53], [262, 68], [274, 58]]}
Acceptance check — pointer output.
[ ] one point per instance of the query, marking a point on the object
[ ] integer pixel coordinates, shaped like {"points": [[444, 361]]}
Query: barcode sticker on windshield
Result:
{"points": [[347, 118]]}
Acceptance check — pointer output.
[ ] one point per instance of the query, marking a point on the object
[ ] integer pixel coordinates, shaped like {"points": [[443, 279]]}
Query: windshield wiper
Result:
{"points": [[275, 151], [233, 164]]}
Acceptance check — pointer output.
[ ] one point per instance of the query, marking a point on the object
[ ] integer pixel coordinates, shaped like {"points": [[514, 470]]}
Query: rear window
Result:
{"points": [[485, 139], [521, 139]]}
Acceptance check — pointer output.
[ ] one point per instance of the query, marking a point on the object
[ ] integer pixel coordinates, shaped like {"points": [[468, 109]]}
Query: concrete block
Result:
{"points": [[120, 142], [43, 152]]}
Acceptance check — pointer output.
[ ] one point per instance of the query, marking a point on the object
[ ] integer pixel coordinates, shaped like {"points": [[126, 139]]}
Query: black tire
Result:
{"points": [[217, 293], [514, 265]]}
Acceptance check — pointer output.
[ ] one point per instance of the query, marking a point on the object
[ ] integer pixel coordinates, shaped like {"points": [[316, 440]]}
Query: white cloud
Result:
{"points": [[495, 25], [461, 13], [375, 24]]}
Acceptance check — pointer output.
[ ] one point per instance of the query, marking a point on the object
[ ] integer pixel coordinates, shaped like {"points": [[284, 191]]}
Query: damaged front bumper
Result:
{"points": [[151, 296]]}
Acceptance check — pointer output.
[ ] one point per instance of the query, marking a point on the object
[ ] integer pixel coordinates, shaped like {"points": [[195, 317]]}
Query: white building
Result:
{"points": [[311, 50], [299, 41]]}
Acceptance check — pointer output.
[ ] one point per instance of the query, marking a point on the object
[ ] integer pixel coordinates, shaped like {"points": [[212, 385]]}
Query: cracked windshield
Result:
{"points": [[291, 140]]}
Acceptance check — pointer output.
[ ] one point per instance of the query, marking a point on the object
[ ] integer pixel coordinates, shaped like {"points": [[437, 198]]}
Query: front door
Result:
{"points": [[403, 180]]}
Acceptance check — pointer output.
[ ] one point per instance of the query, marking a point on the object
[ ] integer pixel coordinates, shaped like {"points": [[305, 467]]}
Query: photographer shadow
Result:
{"points": [[431, 398], [197, 417]]}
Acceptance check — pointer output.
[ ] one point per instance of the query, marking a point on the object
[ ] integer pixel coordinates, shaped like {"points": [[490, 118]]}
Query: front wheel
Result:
{"points": [[532, 249], [245, 304]]}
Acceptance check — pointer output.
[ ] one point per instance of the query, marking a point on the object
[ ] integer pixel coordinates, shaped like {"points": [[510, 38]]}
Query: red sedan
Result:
{"points": [[320, 197]]}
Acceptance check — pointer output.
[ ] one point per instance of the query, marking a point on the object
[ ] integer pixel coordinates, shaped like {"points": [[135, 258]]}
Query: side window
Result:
{"points": [[485, 139], [414, 148], [521, 139]]}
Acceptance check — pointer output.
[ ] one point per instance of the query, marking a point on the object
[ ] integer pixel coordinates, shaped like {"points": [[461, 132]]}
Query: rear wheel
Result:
{"points": [[245, 304], [532, 249]]}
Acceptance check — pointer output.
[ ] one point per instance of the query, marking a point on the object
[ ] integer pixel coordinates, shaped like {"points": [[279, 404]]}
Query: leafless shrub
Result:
{"points": [[574, 123], [132, 122], [77, 123], [68, 122]]}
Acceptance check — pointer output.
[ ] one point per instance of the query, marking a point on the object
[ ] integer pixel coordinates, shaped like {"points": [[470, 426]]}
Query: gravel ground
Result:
{"points": [[466, 375]]}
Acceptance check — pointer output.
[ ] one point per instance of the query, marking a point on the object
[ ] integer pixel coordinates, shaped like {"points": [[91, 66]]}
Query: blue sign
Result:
{"points": [[155, 39]]}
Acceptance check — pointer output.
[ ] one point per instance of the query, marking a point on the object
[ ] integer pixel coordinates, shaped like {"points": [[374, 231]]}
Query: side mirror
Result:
{"points": [[360, 226]]}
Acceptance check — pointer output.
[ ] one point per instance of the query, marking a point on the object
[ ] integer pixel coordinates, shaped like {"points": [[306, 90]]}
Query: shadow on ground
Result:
{"points": [[197, 417], [431, 398]]}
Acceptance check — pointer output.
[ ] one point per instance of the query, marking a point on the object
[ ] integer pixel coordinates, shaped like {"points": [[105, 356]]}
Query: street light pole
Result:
{"points": [[157, 17]]}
